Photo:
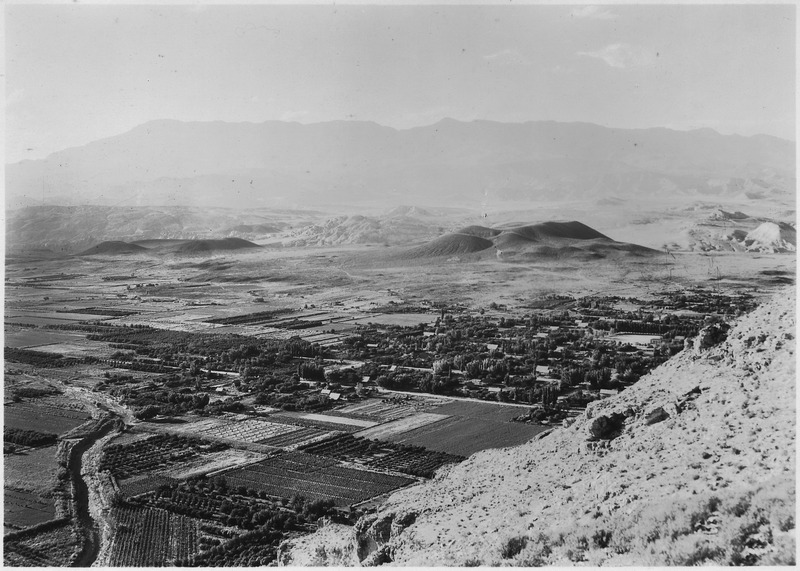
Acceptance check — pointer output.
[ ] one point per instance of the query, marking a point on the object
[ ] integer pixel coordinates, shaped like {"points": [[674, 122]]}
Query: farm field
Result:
{"points": [[29, 338], [248, 430], [57, 315], [33, 470], [337, 420], [472, 409], [297, 438], [153, 454], [378, 409], [298, 419], [78, 348], [315, 477], [152, 537], [24, 509], [50, 419], [403, 319], [51, 548], [465, 436], [390, 429], [382, 455], [36, 320], [213, 462]]}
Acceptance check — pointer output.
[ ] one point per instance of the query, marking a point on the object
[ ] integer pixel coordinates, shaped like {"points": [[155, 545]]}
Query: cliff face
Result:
{"points": [[694, 464]]}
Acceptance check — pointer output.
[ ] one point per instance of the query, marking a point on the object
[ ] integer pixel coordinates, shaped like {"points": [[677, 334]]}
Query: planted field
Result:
{"points": [[465, 436], [314, 477], [151, 537], [51, 548], [388, 430], [42, 319], [209, 463], [33, 470], [378, 409], [295, 419], [298, 437], [28, 338], [472, 409], [57, 315], [250, 430], [23, 509], [327, 418], [153, 454], [383, 455], [77, 349], [402, 319], [25, 416]]}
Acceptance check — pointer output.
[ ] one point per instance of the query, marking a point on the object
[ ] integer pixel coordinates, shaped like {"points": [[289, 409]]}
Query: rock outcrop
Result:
{"points": [[695, 464]]}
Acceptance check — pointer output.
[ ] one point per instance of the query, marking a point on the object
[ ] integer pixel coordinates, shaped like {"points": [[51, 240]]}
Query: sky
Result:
{"points": [[77, 73]]}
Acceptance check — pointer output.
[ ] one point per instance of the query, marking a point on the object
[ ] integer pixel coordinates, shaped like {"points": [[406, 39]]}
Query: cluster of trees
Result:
{"points": [[258, 317], [19, 393], [239, 506], [30, 438], [152, 401], [215, 351], [42, 359], [299, 399]]}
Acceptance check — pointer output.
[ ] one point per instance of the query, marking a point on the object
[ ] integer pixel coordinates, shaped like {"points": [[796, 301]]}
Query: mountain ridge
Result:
{"points": [[279, 163], [444, 120]]}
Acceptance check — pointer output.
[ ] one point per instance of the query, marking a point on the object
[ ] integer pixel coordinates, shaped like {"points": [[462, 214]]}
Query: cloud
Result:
{"points": [[592, 13], [506, 57], [622, 55]]}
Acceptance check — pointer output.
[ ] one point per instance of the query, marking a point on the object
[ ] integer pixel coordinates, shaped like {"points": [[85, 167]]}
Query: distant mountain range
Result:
{"points": [[246, 165]]}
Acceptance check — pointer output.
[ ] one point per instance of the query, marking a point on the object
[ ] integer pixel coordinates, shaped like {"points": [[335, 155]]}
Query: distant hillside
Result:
{"points": [[695, 464], [451, 162], [113, 248], [450, 245], [738, 232], [395, 227], [175, 247], [546, 240], [69, 229], [191, 247]]}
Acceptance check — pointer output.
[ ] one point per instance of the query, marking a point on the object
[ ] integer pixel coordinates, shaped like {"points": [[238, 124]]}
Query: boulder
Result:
{"points": [[606, 427]]}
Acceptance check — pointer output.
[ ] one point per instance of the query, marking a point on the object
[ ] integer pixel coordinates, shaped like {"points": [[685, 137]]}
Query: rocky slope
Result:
{"points": [[695, 464]]}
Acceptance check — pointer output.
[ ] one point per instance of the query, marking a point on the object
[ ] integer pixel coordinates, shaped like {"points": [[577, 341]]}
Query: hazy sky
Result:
{"points": [[76, 73]]}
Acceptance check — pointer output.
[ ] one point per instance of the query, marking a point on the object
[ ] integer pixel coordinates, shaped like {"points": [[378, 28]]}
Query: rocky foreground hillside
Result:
{"points": [[695, 464]]}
